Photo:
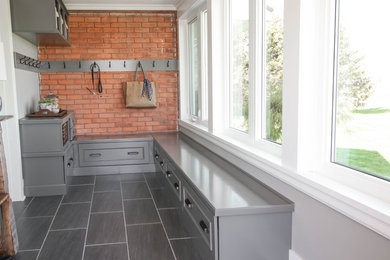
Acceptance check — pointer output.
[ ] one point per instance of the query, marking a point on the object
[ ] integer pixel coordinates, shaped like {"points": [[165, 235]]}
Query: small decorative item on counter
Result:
{"points": [[54, 99], [45, 104]]}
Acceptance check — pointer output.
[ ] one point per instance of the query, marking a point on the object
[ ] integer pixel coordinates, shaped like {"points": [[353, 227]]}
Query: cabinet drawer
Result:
{"points": [[114, 153], [173, 181], [199, 215]]}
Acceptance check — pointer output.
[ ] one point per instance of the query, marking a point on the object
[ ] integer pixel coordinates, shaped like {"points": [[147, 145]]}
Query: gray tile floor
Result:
{"points": [[118, 217]]}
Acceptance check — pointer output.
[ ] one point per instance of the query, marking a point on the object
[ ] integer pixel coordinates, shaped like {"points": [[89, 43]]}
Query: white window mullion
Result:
{"points": [[253, 67]]}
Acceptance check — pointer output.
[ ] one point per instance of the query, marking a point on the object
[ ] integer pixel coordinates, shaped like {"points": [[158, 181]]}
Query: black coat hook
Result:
{"points": [[22, 60], [109, 64], [168, 64], [48, 65], [79, 64], [124, 64], [39, 64], [64, 65], [154, 64]]}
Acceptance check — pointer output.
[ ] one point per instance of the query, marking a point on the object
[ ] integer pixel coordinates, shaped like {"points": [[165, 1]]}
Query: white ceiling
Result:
{"points": [[121, 4]]}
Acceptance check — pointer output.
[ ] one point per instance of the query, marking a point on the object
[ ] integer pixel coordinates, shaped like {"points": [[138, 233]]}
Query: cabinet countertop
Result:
{"points": [[228, 190]]}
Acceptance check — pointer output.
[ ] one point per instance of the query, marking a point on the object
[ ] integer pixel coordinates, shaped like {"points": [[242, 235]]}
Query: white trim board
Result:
{"points": [[119, 7]]}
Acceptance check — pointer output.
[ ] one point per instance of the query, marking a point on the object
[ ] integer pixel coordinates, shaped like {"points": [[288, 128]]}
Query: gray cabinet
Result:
{"points": [[47, 154], [113, 154], [42, 22], [236, 217]]}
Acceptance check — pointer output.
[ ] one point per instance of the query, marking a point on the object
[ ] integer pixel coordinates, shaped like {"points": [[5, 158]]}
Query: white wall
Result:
{"points": [[19, 92], [27, 83]]}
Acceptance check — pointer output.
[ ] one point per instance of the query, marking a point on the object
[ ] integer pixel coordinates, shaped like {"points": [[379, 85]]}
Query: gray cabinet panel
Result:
{"points": [[114, 153], [43, 170]]}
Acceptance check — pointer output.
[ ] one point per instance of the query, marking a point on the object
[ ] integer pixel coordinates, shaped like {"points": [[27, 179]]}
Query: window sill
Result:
{"points": [[361, 207]]}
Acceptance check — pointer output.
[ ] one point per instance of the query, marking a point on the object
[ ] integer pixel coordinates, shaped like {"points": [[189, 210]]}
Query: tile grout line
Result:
{"points": [[66, 229], [124, 221], [51, 224], [21, 214], [108, 212], [143, 224], [158, 213], [106, 244], [89, 217]]}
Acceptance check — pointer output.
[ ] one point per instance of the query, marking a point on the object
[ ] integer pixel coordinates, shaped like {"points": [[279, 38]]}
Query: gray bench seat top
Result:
{"points": [[227, 189]]}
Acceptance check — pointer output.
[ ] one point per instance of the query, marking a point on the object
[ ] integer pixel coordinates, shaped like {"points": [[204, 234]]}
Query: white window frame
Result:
{"points": [[256, 123], [196, 12]]}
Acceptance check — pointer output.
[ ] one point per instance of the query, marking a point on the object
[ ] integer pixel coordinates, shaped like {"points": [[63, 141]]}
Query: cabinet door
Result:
{"points": [[106, 154]]}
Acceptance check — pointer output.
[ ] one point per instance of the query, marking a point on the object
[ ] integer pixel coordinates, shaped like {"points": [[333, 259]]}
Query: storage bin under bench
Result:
{"points": [[110, 154], [236, 216]]}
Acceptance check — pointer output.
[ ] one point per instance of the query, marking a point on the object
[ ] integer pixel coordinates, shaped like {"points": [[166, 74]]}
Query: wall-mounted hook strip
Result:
{"points": [[26, 63], [22, 60]]}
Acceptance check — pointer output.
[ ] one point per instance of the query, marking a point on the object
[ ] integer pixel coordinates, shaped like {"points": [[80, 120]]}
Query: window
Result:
{"points": [[194, 67], [361, 118], [273, 70], [198, 70], [255, 73], [239, 65]]}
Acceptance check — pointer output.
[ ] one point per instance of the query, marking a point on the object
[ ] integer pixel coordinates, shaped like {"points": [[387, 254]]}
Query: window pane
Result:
{"points": [[362, 107], [273, 69], [205, 79], [239, 86], [194, 67]]}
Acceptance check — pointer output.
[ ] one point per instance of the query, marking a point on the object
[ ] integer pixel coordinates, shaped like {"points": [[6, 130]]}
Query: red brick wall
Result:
{"points": [[110, 36]]}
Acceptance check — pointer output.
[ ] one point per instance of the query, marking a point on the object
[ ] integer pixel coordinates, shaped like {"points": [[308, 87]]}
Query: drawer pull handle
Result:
{"points": [[68, 165], [71, 159], [169, 173], [162, 164], [188, 203], [132, 153], [156, 156], [204, 226], [176, 186], [95, 154]]}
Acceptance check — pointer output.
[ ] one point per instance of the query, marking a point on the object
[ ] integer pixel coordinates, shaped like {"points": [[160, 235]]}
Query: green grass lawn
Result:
{"points": [[377, 110], [364, 160]]}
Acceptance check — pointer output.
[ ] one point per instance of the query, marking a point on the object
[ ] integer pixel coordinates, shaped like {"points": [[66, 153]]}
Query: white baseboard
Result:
{"points": [[293, 256]]}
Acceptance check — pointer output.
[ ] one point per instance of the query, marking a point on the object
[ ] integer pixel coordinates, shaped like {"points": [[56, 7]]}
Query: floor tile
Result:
{"points": [[26, 255], [107, 201], [177, 223], [191, 249], [132, 177], [20, 206], [76, 194], [32, 232], [63, 245], [106, 228], [72, 216], [165, 197], [108, 183], [136, 190], [140, 211], [80, 180], [106, 252], [148, 242], [42, 206], [156, 180]]}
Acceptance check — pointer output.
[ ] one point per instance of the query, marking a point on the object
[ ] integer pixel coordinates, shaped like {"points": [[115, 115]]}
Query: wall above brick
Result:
{"points": [[116, 35]]}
